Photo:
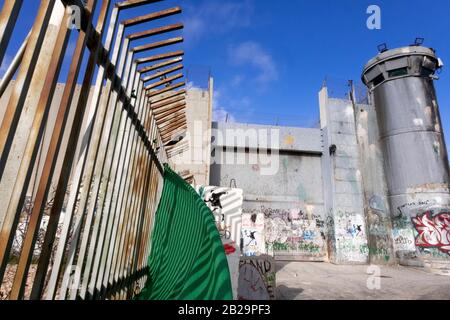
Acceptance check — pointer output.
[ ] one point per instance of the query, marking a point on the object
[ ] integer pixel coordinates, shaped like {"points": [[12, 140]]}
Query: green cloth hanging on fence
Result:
{"points": [[187, 259]]}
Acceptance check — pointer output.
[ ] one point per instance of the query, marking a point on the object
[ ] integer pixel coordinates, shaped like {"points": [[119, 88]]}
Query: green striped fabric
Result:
{"points": [[187, 260]]}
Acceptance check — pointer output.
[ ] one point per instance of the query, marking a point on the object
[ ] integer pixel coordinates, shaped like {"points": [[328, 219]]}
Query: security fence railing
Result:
{"points": [[78, 196]]}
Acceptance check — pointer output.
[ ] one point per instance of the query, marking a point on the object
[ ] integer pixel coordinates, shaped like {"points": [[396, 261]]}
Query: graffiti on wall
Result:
{"points": [[296, 232], [415, 205], [403, 240], [256, 278], [403, 232], [351, 239], [253, 239], [423, 226], [433, 230], [226, 205], [379, 230]]}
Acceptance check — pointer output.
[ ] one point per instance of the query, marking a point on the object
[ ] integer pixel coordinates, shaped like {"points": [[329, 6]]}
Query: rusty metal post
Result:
{"points": [[30, 153], [26, 80], [86, 166], [105, 153], [130, 190], [56, 140], [20, 91], [107, 223], [130, 217], [123, 170], [98, 157], [143, 214], [116, 194], [69, 156], [112, 153]]}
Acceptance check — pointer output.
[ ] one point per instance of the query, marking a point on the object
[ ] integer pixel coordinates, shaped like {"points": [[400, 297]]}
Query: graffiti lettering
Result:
{"points": [[420, 203], [256, 279], [434, 231]]}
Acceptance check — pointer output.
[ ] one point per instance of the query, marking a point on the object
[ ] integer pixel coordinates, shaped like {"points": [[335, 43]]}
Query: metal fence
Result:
{"points": [[77, 224], [341, 89]]}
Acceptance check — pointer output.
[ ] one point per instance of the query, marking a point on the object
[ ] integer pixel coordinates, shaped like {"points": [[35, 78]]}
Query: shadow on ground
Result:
{"points": [[286, 293]]}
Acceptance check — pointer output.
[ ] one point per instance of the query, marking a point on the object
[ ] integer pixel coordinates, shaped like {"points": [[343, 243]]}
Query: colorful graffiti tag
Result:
{"points": [[295, 232], [434, 231]]}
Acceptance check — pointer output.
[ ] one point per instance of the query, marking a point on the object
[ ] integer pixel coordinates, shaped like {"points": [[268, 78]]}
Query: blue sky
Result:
{"points": [[270, 58]]}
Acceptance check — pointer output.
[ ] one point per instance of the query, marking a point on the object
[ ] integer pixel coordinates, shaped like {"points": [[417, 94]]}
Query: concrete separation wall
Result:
{"points": [[345, 205], [283, 186]]}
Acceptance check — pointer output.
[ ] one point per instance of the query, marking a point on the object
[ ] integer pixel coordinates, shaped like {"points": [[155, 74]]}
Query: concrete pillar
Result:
{"points": [[193, 154], [347, 236], [376, 206]]}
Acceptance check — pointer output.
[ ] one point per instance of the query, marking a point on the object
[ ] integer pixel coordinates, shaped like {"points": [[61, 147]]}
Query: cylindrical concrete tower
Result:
{"points": [[415, 155]]}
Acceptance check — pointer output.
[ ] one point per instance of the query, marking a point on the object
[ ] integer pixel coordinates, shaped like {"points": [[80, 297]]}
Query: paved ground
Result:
{"points": [[325, 281]]}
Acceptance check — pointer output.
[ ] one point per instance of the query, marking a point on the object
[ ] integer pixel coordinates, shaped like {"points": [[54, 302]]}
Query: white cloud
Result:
{"points": [[252, 53], [213, 17], [193, 29], [220, 114], [191, 85], [237, 80]]}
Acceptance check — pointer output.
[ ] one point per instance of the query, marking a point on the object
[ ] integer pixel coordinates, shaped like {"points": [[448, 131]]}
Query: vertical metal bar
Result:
{"points": [[8, 18], [140, 206], [134, 265], [15, 63], [11, 117], [20, 91], [93, 122], [139, 203], [112, 194], [106, 228], [56, 140], [91, 184], [31, 149], [152, 208], [69, 156], [130, 191], [96, 163], [150, 203], [141, 257], [122, 186], [133, 84]]}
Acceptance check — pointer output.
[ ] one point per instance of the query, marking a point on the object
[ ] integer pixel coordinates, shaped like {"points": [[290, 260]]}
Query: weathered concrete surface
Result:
{"points": [[343, 185], [380, 238], [325, 281], [284, 186], [193, 155]]}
